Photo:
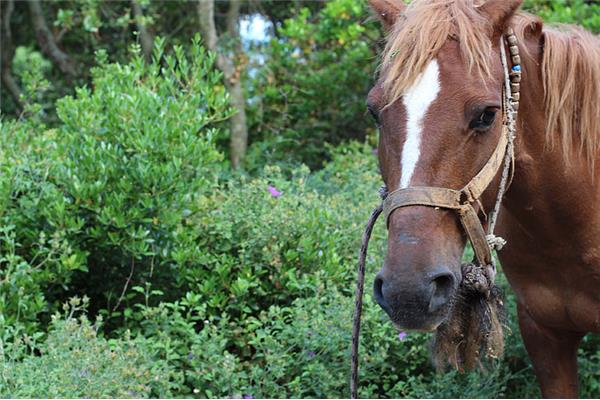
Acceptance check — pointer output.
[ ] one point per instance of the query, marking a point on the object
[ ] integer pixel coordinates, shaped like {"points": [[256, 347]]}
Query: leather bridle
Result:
{"points": [[461, 201]]}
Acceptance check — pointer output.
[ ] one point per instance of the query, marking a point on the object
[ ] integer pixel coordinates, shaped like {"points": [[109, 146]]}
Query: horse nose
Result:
{"points": [[399, 296], [442, 286], [378, 292]]}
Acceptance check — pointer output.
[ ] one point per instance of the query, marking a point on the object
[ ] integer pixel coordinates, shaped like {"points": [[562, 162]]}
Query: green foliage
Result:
{"points": [[266, 310], [581, 12], [257, 244], [81, 28], [212, 284], [137, 154], [311, 89], [109, 192], [75, 362], [36, 257]]}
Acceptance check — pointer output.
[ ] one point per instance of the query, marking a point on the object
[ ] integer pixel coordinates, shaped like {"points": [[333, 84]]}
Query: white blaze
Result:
{"points": [[417, 100]]}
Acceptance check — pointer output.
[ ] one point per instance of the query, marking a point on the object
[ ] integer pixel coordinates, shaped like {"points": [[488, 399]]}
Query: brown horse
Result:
{"points": [[438, 105]]}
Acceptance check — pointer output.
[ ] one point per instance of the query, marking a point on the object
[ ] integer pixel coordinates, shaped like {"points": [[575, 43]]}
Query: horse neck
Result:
{"points": [[545, 186]]}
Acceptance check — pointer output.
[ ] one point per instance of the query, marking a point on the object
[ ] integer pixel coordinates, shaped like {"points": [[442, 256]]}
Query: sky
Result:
{"points": [[254, 28]]}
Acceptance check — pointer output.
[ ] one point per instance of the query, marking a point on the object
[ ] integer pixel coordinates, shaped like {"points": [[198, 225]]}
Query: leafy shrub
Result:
{"points": [[75, 362], [109, 191], [581, 12], [302, 350], [136, 155], [312, 87], [36, 257], [196, 345], [256, 243]]}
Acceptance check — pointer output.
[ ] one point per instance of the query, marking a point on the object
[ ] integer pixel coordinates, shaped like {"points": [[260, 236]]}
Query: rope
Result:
{"points": [[360, 284], [496, 242]]}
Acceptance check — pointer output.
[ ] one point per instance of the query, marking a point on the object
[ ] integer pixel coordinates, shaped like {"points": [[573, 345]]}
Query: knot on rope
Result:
{"points": [[478, 278], [495, 242]]}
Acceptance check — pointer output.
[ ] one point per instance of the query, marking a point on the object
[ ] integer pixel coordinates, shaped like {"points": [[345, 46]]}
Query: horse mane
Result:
{"points": [[571, 76], [570, 65]]}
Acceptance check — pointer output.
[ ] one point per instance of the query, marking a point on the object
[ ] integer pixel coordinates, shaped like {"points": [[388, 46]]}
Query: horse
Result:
{"points": [[438, 104]]}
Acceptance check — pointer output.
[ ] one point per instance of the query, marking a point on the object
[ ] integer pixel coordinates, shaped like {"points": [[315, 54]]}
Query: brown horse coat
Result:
{"points": [[439, 88]]}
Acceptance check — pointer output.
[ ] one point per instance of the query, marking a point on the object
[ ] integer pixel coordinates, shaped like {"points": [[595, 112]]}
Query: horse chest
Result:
{"points": [[566, 301]]}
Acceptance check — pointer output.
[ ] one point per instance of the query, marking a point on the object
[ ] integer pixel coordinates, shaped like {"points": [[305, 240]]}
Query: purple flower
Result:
{"points": [[311, 355], [402, 336], [247, 396], [190, 356], [274, 192]]}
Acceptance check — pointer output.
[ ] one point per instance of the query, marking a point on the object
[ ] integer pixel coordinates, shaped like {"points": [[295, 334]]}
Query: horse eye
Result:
{"points": [[484, 120], [374, 114]]}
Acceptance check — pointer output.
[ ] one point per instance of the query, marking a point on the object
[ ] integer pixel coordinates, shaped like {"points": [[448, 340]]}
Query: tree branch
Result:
{"points": [[233, 15], [146, 38], [206, 17], [126, 285], [238, 139], [8, 53], [47, 41]]}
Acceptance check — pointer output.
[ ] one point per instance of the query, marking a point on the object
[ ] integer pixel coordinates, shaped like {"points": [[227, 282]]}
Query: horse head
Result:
{"points": [[438, 103]]}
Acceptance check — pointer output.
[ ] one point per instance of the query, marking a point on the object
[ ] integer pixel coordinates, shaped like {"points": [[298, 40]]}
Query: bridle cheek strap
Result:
{"points": [[459, 200]]}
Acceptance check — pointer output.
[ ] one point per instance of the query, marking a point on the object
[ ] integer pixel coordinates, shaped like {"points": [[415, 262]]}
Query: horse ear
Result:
{"points": [[499, 12], [387, 11]]}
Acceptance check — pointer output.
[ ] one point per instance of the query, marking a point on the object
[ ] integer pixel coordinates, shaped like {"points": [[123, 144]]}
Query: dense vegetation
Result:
{"points": [[135, 262]]}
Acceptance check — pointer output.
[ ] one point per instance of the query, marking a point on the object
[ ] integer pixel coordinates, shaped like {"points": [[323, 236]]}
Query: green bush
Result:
{"points": [[256, 244], [312, 86], [74, 362], [109, 192], [36, 256], [136, 155], [581, 12], [302, 351]]}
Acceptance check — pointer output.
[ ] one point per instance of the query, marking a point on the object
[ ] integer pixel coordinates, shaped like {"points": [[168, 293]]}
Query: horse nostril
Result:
{"points": [[378, 292], [443, 287]]}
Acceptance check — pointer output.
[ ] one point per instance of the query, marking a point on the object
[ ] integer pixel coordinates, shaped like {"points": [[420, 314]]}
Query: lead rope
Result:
{"points": [[511, 85], [360, 285]]}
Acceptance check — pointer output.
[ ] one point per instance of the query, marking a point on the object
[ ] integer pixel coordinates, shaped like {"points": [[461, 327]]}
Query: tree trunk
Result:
{"points": [[238, 143], [146, 38], [8, 53], [47, 41]]}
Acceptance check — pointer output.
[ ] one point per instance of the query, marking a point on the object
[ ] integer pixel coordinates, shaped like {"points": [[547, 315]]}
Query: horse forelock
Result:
{"points": [[420, 33]]}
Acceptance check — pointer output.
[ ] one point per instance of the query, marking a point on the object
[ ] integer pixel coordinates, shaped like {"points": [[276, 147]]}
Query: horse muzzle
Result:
{"points": [[416, 304]]}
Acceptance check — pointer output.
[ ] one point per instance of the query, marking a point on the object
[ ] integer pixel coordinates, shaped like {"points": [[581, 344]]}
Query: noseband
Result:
{"points": [[460, 201], [482, 273]]}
